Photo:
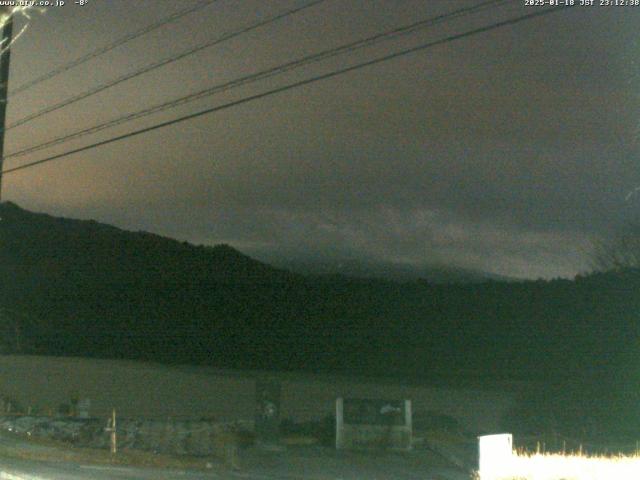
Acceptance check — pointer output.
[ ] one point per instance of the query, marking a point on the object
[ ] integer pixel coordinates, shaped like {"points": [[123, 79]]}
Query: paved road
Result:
{"points": [[311, 465], [295, 463], [11, 469]]}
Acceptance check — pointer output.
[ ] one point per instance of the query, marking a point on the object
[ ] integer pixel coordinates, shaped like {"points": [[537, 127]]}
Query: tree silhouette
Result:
{"points": [[621, 252]]}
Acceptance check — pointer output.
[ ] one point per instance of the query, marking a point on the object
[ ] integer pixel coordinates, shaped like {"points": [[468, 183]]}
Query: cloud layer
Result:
{"points": [[507, 151]]}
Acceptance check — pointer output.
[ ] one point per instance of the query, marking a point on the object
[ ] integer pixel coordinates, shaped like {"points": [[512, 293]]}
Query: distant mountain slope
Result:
{"points": [[51, 247], [370, 268], [93, 289]]}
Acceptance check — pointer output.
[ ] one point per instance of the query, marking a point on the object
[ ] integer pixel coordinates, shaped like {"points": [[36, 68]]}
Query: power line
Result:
{"points": [[160, 63], [291, 86], [313, 58], [107, 48]]}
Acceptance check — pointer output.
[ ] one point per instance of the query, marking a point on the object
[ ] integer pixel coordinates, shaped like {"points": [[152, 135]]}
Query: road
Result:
{"points": [[313, 465], [291, 463]]}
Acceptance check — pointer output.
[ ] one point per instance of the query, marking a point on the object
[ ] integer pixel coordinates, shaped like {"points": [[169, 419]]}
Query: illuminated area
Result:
{"points": [[8, 14], [547, 466], [495, 451], [13, 11]]}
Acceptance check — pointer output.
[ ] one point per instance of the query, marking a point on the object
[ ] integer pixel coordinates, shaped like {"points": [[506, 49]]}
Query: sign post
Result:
{"points": [[373, 424]]}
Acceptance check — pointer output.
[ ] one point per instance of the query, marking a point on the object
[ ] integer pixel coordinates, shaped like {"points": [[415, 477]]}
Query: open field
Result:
{"points": [[162, 393], [152, 390]]}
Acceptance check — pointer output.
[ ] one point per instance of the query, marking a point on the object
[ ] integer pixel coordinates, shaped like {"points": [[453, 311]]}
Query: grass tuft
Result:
{"points": [[572, 466]]}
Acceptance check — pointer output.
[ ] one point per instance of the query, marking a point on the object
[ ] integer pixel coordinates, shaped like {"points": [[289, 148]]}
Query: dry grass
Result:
{"points": [[553, 466]]}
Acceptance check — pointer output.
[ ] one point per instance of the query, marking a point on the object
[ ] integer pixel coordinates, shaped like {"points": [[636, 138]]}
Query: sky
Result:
{"points": [[510, 151]]}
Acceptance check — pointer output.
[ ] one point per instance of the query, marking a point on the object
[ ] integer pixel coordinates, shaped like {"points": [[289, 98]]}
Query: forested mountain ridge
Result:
{"points": [[94, 290]]}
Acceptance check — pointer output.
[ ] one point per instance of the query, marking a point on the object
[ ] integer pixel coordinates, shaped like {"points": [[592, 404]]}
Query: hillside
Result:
{"points": [[82, 288], [53, 247], [369, 268], [92, 289]]}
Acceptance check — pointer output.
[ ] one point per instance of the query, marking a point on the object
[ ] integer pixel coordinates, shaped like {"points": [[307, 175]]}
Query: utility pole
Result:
{"points": [[7, 36]]}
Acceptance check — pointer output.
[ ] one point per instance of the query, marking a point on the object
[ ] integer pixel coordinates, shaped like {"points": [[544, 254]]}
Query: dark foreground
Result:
{"points": [[304, 463]]}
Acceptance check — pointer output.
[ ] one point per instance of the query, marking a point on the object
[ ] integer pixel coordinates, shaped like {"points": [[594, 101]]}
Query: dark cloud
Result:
{"points": [[506, 151]]}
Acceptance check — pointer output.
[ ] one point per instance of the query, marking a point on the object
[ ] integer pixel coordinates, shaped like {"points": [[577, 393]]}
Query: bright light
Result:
{"points": [[9, 13], [495, 455], [538, 466]]}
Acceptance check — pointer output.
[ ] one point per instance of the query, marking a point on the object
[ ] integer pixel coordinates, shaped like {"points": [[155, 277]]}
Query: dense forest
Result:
{"points": [[70, 287]]}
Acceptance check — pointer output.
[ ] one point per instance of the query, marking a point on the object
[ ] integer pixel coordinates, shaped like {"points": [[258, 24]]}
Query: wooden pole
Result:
{"points": [[114, 436], [7, 36], [340, 441]]}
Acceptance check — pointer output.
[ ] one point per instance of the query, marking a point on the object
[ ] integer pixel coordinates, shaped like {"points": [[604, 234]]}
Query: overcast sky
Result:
{"points": [[508, 151]]}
